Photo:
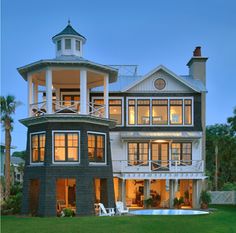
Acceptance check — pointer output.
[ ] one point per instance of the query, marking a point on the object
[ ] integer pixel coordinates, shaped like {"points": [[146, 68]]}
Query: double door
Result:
{"points": [[159, 156]]}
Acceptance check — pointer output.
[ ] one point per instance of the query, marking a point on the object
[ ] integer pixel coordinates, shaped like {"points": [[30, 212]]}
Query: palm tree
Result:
{"points": [[8, 107]]}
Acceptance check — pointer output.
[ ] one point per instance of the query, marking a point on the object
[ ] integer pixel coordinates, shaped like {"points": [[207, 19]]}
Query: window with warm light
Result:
{"points": [[143, 111], [37, 147], [115, 110], [137, 153], [182, 153], [160, 112], [98, 105], [176, 112], [66, 147], [96, 148], [132, 112], [187, 111]]}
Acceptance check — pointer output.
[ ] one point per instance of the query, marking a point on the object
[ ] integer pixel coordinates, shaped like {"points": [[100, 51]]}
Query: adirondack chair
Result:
{"points": [[120, 208], [105, 211]]}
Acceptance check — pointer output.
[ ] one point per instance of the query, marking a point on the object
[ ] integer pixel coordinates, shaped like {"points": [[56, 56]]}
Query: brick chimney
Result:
{"points": [[197, 65]]}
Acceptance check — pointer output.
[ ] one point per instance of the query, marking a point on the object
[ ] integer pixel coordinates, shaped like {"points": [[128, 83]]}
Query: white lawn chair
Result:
{"points": [[120, 208], [105, 211]]}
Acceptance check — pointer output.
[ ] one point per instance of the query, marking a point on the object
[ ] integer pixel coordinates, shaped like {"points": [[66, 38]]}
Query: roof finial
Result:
{"points": [[69, 21]]}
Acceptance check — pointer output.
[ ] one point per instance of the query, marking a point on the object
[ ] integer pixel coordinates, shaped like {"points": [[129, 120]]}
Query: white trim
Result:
{"points": [[30, 148], [160, 67], [105, 144], [150, 108], [112, 98], [65, 162]]}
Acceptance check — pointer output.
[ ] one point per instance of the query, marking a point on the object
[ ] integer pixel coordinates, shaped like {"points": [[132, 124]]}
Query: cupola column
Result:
{"points": [[83, 91], [30, 94], [35, 92], [106, 95], [48, 91]]}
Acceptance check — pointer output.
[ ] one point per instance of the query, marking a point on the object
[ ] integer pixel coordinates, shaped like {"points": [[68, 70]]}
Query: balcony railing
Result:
{"points": [[66, 107], [173, 166]]}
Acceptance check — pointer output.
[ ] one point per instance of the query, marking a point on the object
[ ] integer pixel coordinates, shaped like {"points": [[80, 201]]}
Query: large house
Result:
{"points": [[98, 134]]}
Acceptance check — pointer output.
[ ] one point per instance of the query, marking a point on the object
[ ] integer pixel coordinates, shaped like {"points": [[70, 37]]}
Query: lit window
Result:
{"points": [[66, 147], [176, 112], [160, 112], [96, 148], [188, 112], [98, 105], [132, 112], [137, 154], [143, 112], [115, 110], [182, 153], [67, 43], [37, 147], [58, 45], [77, 45]]}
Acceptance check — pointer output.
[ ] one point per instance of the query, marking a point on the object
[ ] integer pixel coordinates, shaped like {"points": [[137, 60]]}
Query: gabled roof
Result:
{"points": [[69, 30], [195, 85]]}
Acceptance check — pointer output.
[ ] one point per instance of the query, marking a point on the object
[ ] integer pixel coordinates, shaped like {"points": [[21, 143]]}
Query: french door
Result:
{"points": [[159, 156]]}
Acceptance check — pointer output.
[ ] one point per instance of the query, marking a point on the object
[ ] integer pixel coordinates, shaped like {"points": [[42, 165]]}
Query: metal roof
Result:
{"points": [[68, 30]]}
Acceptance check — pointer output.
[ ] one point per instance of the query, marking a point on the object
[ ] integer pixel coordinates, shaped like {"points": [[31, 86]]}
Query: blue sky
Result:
{"points": [[146, 33]]}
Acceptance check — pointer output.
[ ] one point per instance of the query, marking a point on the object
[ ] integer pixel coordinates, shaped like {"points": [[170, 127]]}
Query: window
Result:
{"points": [[176, 112], [96, 148], [98, 105], [69, 100], [182, 152], [66, 147], [67, 43], [37, 147], [132, 112], [58, 45], [77, 45], [137, 153], [115, 110], [160, 112], [187, 111], [143, 112]]}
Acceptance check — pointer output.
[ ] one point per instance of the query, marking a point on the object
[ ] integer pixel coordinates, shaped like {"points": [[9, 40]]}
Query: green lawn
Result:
{"points": [[221, 220]]}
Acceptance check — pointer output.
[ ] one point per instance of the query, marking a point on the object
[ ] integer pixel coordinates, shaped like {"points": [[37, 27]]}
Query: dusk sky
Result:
{"points": [[147, 33]]}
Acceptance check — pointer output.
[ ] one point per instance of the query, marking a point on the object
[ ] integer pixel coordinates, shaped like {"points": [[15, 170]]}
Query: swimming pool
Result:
{"points": [[168, 212]]}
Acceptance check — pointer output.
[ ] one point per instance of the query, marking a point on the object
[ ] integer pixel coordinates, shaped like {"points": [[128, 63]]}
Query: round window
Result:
{"points": [[160, 83]]}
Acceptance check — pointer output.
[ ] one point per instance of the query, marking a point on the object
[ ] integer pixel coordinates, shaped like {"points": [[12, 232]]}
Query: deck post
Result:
{"points": [[48, 91], [83, 91], [30, 93], [106, 95]]}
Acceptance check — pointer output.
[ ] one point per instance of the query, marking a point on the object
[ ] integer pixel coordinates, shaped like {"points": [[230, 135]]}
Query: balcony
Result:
{"points": [[66, 107], [157, 168]]}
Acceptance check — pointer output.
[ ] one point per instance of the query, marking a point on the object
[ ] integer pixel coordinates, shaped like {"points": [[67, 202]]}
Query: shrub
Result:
{"points": [[12, 205], [148, 202], [229, 186], [205, 197], [178, 202], [67, 212]]}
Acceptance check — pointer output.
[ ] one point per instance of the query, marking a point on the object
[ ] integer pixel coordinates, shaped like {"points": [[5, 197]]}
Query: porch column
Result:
{"points": [[171, 192], [83, 91], [35, 92], [48, 91], [146, 189], [106, 95], [123, 196], [120, 189], [57, 94], [30, 93], [197, 188]]}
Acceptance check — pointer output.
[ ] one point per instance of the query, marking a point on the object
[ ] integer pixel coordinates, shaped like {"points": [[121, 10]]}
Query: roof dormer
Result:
{"points": [[69, 42]]}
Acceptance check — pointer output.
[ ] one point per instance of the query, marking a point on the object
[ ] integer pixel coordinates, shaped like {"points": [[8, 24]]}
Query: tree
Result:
{"points": [[232, 121], [20, 154], [8, 107]]}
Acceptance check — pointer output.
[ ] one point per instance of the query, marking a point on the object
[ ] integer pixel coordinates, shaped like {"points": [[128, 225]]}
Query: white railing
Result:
{"points": [[158, 166], [67, 107], [223, 197]]}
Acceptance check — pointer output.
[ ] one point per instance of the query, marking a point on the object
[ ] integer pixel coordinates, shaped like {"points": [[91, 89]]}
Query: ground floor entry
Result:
{"points": [[157, 193]]}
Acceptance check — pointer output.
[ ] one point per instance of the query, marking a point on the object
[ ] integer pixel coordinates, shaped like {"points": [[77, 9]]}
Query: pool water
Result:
{"points": [[168, 212]]}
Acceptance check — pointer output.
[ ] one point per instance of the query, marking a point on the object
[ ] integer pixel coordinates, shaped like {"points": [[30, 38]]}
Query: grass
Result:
{"points": [[222, 220]]}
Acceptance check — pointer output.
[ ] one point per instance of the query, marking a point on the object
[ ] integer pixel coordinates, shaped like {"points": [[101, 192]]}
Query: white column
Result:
{"points": [[30, 93], [83, 91], [123, 196], [146, 189], [57, 94], [48, 91], [171, 193], [35, 92], [106, 95]]}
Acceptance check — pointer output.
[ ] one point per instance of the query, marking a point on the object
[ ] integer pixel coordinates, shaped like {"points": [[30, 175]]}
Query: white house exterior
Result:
{"points": [[98, 135]]}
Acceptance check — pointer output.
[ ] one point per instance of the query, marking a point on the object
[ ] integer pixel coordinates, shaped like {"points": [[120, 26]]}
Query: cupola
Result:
{"points": [[69, 42]]}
